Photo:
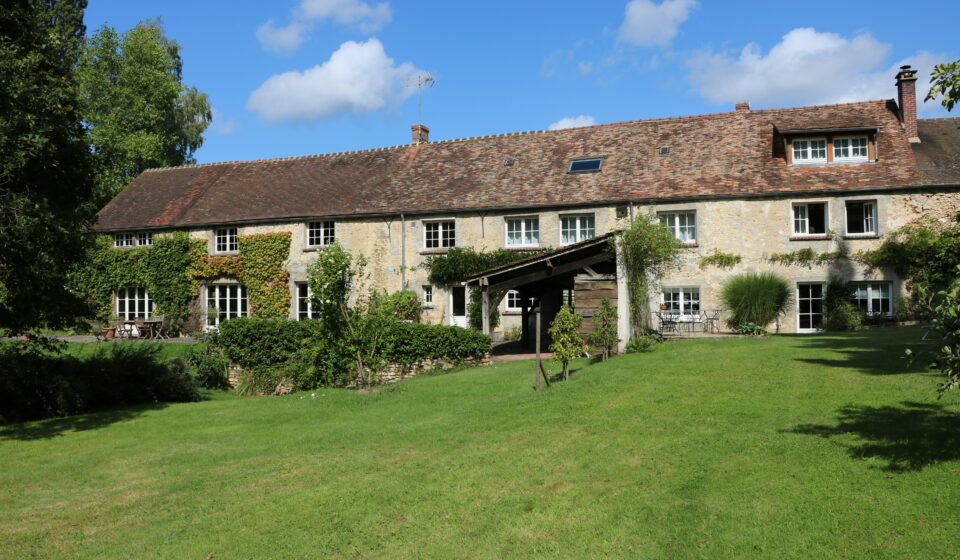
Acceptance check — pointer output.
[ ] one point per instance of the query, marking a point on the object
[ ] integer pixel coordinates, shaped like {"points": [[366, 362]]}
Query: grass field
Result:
{"points": [[826, 446]]}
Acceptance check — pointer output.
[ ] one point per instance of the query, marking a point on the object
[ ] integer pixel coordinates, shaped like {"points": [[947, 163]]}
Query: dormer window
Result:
{"points": [[810, 150], [585, 165], [852, 148]]}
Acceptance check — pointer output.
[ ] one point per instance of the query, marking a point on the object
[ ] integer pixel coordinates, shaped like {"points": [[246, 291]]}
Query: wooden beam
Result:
{"points": [[531, 277], [485, 311]]}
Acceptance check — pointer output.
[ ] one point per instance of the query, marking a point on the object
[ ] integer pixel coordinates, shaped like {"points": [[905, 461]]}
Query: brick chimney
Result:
{"points": [[907, 97], [421, 134], [743, 107]]}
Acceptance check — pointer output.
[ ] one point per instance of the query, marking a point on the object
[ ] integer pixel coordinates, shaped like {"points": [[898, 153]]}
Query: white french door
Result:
{"points": [[810, 307]]}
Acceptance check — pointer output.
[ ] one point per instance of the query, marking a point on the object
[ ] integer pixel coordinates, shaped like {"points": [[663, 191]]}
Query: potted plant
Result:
{"points": [[109, 332]]}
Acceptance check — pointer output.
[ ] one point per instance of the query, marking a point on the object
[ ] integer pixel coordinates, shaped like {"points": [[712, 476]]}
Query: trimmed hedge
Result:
{"points": [[39, 384], [410, 343], [261, 343]]}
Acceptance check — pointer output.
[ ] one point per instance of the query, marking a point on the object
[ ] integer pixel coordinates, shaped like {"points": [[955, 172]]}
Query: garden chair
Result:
{"points": [[160, 325], [142, 329], [711, 320], [670, 322]]}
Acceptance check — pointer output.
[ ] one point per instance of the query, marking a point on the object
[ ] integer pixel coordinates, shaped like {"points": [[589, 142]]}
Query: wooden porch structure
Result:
{"points": [[577, 275]]}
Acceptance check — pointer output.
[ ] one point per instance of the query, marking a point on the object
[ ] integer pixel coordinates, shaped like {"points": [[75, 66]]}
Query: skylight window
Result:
{"points": [[585, 165]]}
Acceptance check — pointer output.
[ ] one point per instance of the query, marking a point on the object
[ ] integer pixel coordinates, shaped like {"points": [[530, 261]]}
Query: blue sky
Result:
{"points": [[296, 77]]}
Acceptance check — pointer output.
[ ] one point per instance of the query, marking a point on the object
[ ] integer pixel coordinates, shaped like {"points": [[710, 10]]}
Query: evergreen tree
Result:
{"points": [[605, 335], [46, 185], [567, 343]]}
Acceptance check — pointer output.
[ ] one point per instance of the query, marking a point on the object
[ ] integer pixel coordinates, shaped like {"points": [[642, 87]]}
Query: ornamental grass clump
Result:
{"points": [[757, 298]]}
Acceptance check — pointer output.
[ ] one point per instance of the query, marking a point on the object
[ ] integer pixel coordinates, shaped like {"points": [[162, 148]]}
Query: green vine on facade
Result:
{"points": [[720, 259], [173, 267], [646, 251], [805, 257]]}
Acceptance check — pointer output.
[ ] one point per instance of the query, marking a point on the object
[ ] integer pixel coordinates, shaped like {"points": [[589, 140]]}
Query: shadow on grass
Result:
{"points": [[910, 437], [873, 352], [53, 427]]}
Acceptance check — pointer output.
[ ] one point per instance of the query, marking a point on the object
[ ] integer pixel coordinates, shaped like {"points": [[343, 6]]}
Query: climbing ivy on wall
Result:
{"points": [[161, 268], [173, 267]]}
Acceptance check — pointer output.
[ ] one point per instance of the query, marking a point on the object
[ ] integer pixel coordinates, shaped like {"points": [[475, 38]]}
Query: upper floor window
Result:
{"points": [[852, 148], [123, 240], [584, 165], [574, 229], [523, 232], [225, 240], [321, 234], [810, 150], [861, 217], [810, 218], [144, 238], [683, 225], [439, 235]]}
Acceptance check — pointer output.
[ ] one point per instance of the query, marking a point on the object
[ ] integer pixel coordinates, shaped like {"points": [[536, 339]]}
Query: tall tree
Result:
{"points": [[140, 113], [945, 81], [46, 184]]}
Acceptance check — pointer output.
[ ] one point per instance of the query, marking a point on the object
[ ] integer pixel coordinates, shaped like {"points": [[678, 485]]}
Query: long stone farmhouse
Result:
{"points": [[753, 183]]}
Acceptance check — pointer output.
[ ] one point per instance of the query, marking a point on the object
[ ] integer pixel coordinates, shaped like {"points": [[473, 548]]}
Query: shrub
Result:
{"points": [[209, 366], [642, 343], [260, 381], [404, 305], [38, 383], [756, 298], [261, 343], [751, 329], [513, 334], [605, 335], [409, 343], [843, 317], [567, 343]]}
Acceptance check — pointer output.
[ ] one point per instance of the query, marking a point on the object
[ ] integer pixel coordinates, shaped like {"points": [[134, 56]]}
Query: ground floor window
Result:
{"points": [[133, 303], [513, 301], [225, 301], [873, 298], [685, 301], [810, 306], [304, 303]]}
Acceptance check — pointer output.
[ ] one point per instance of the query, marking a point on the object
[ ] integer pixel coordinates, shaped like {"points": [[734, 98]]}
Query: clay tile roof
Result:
{"points": [[938, 153], [720, 154]]}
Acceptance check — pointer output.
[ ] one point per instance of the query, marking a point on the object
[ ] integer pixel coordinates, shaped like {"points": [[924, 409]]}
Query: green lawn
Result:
{"points": [[788, 447]]}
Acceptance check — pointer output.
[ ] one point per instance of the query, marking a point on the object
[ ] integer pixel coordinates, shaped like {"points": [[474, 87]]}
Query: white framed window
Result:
{"points": [[225, 240], [683, 225], [850, 148], [873, 298], [810, 307], [428, 294], [513, 301], [810, 218], [523, 232], [145, 239], [685, 301], [861, 217], [810, 150], [123, 240], [574, 229], [321, 234], [225, 301], [133, 303], [439, 234], [304, 302]]}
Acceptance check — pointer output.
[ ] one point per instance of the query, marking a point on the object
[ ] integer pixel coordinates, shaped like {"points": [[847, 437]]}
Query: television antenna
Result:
{"points": [[423, 81]]}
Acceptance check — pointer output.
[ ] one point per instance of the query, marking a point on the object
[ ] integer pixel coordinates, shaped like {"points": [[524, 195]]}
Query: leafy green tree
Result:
{"points": [[647, 250], [567, 343], [45, 166], [605, 335], [945, 81], [140, 113], [925, 254]]}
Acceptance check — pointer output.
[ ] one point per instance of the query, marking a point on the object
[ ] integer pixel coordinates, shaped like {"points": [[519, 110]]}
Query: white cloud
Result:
{"points": [[358, 78], [368, 17], [573, 122], [282, 39], [647, 24], [221, 124], [806, 68]]}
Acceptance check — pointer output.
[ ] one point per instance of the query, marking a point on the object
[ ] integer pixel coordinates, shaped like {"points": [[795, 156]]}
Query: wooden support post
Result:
{"points": [[536, 375], [485, 309]]}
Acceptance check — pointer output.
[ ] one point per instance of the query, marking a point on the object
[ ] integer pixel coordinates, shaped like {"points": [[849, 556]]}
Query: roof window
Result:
{"points": [[585, 165]]}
